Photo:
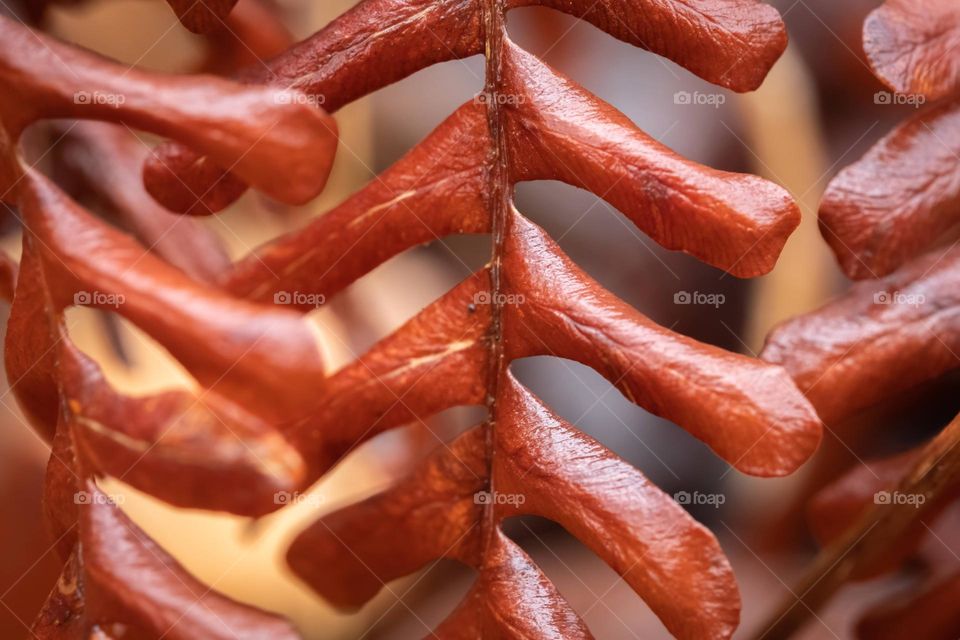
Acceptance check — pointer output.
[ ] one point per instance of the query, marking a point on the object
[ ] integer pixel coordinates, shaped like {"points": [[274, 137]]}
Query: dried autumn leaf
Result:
{"points": [[838, 506], [655, 188], [929, 613], [198, 451], [511, 598], [85, 261], [116, 581], [530, 300], [880, 339], [91, 150], [189, 449], [216, 445], [259, 373], [881, 532], [747, 411], [674, 563], [904, 194], [251, 33], [900, 198], [877, 340], [884, 337]]}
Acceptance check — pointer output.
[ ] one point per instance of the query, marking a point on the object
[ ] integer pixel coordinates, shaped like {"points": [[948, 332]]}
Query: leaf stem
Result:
{"points": [[879, 527], [498, 199]]}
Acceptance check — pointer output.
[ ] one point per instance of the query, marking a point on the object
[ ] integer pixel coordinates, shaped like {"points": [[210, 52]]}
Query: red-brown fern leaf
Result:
{"points": [[251, 33], [884, 337], [878, 340], [904, 194], [262, 406], [214, 445], [91, 150], [530, 300], [87, 151]]}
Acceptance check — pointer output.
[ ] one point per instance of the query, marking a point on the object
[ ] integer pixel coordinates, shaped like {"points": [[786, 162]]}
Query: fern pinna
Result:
{"points": [[890, 218], [265, 416], [904, 194]]}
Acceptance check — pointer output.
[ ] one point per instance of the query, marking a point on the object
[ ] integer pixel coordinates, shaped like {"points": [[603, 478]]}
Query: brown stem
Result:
{"points": [[872, 535], [498, 204]]}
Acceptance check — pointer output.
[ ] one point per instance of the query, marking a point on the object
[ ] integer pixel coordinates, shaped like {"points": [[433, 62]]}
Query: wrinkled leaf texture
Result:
{"points": [[903, 196], [263, 415]]}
